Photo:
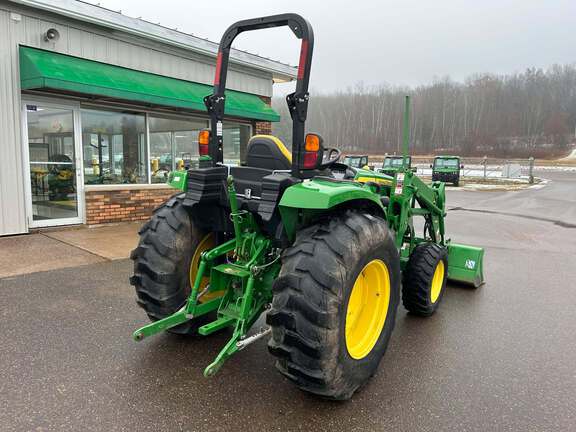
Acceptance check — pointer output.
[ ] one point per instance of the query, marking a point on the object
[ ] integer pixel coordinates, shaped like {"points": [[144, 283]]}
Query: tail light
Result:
{"points": [[204, 142], [312, 151]]}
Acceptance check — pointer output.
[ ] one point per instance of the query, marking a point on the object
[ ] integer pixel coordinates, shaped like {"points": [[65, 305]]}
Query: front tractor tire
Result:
{"points": [[166, 260], [335, 303], [424, 279]]}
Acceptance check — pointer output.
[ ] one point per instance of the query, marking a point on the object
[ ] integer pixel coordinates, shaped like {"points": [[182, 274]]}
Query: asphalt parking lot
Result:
{"points": [[500, 358]]}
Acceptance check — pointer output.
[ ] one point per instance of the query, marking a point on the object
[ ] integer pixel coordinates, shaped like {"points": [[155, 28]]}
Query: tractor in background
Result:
{"points": [[393, 164], [446, 169], [356, 161], [325, 250]]}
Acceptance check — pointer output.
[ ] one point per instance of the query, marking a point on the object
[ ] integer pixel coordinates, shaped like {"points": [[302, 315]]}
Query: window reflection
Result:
{"points": [[52, 164], [114, 146], [173, 144], [235, 141]]}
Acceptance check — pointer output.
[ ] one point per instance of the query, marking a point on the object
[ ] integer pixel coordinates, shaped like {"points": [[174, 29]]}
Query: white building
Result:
{"points": [[96, 107]]}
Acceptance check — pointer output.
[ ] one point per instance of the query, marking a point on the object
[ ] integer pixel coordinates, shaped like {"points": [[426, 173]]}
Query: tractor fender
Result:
{"points": [[308, 200]]}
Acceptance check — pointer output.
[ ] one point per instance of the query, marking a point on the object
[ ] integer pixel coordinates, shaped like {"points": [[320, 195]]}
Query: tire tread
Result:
{"points": [[417, 278], [305, 310]]}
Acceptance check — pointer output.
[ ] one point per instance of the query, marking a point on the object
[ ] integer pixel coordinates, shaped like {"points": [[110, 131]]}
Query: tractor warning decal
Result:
{"points": [[399, 184]]}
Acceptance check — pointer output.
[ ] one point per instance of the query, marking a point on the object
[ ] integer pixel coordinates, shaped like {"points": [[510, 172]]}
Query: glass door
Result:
{"points": [[54, 177]]}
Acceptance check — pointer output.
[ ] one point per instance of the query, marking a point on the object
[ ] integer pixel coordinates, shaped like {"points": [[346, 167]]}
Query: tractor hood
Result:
{"points": [[364, 176], [325, 194]]}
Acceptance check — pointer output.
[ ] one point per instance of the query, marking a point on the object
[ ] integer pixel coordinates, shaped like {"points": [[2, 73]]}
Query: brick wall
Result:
{"points": [[263, 128], [123, 205]]}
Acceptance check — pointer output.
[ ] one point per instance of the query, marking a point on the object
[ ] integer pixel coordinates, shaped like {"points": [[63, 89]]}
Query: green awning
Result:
{"points": [[41, 69]]}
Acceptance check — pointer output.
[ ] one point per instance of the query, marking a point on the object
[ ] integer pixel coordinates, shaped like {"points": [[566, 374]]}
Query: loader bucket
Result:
{"points": [[465, 264]]}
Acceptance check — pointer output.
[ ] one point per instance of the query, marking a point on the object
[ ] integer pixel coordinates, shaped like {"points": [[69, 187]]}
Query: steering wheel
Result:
{"points": [[331, 156]]}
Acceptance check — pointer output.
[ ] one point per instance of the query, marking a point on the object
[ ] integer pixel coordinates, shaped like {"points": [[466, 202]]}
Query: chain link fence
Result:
{"points": [[482, 168]]}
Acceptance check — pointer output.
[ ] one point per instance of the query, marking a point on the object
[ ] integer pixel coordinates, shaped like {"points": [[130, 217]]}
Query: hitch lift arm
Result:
{"points": [[247, 286]]}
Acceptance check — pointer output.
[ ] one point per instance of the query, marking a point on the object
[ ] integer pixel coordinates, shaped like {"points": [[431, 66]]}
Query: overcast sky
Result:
{"points": [[402, 42]]}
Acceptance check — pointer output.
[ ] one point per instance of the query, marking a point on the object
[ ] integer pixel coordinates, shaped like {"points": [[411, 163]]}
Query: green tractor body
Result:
{"points": [[446, 169], [322, 247]]}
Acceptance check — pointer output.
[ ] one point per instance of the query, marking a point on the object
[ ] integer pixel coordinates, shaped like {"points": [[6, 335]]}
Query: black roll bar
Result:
{"points": [[297, 101]]}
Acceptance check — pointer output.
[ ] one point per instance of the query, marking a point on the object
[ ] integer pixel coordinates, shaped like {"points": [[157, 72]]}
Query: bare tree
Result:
{"points": [[529, 113]]}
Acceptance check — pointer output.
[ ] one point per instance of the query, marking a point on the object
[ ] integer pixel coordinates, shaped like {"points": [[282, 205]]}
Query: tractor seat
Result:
{"points": [[265, 154], [268, 152]]}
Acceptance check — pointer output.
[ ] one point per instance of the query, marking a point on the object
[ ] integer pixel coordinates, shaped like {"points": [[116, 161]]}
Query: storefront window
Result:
{"points": [[235, 136], [114, 147], [173, 144]]}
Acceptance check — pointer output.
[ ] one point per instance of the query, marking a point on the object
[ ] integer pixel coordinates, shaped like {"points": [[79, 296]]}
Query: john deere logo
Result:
{"points": [[470, 264]]}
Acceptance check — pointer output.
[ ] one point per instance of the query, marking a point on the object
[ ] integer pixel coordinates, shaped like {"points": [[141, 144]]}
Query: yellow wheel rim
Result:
{"points": [[437, 282], [205, 244], [367, 309]]}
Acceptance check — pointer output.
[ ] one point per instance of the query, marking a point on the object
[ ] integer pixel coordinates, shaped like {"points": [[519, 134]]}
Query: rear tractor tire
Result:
{"points": [[335, 303], [166, 260], [424, 279]]}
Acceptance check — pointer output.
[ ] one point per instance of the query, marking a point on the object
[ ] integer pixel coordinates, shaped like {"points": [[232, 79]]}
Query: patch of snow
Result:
{"points": [[555, 168], [571, 156], [540, 185]]}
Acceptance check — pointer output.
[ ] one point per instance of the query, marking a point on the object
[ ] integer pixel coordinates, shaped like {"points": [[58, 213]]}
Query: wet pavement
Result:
{"points": [[113, 241], [32, 253], [58, 248], [500, 358]]}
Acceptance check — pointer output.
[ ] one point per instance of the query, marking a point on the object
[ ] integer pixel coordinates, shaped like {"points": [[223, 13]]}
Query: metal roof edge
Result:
{"points": [[101, 16]]}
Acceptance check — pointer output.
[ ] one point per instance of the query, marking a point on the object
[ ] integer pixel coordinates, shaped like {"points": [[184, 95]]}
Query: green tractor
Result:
{"points": [[325, 250], [394, 164], [446, 169], [356, 161]]}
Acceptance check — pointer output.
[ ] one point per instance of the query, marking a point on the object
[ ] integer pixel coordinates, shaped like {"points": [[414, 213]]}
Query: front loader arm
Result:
{"points": [[409, 190], [432, 198]]}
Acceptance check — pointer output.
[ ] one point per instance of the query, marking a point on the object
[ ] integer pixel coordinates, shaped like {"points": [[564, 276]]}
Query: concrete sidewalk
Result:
{"points": [[67, 247]]}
